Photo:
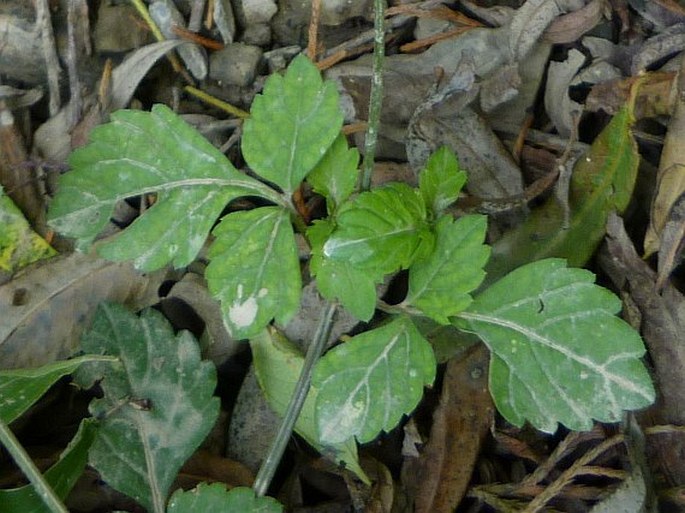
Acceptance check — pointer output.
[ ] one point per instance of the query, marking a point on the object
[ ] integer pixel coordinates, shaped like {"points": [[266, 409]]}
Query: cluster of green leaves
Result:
{"points": [[559, 353]]}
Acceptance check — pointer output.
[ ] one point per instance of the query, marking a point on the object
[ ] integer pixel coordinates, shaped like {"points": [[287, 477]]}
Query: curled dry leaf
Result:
{"points": [[671, 175]]}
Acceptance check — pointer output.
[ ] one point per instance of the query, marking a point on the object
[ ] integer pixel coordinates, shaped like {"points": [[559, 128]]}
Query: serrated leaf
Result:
{"points": [[20, 388], [441, 181], [140, 153], [602, 182], [367, 383], [335, 176], [19, 244], [61, 476], [381, 231], [291, 125], [440, 285], [254, 270], [157, 406], [215, 498], [278, 364], [336, 279], [559, 352]]}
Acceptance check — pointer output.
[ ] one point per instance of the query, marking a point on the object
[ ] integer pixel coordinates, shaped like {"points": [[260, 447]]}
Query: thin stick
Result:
{"points": [[30, 470], [314, 352], [44, 24], [313, 34], [376, 96]]}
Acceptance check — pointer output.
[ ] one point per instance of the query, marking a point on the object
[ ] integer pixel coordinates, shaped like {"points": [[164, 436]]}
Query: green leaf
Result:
{"points": [[440, 285], [20, 388], [19, 244], [441, 181], [254, 269], [602, 182], [291, 125], [157, 406], [278, 364], [335, 176], [336, 279], [559, 352], [215, 498], [381, 231], [140, 153], [61, 476], [367, 383]]}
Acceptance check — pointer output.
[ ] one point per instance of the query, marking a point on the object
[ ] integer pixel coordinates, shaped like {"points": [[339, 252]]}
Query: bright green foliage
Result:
{"points": [[336, 174], [338, 279], [157, 406], [381, 231], [367, 383], [215, 498], [278, 363], [291, 125], [559, 352], [19, 244], [602, 182], [20, 388], [441, 182], [61, 476], [440, 285], [144, 152], [254, 269]]}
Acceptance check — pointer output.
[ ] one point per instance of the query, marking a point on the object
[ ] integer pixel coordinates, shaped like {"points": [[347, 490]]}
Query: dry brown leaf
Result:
{"points": [[46, 307], [570, 27], [440, 477], [671, 175], [663, 329], [672, 240]]}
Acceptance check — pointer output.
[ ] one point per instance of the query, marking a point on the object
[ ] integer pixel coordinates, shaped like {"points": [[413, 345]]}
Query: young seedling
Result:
{"points": [[559, 353]]}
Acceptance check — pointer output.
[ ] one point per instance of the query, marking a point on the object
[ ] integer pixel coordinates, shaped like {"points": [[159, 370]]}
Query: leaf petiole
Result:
{"points": [[314, 351]]}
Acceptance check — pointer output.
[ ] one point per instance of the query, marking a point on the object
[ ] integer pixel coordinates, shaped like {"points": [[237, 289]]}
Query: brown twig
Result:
{"points": [[189, 35], [313, 33]]}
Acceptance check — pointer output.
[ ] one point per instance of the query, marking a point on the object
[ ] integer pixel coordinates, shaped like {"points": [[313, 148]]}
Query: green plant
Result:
{"points": [[548, 327]]}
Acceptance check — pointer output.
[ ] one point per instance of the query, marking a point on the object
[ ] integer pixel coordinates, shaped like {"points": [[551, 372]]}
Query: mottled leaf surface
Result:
{"points": [[381, 231], [440, 285], [367, 383], [278, 364], [19, 244], [559, 352], [215, 498], [254, 269], [140, 153], [157, 406], [291, 125]]}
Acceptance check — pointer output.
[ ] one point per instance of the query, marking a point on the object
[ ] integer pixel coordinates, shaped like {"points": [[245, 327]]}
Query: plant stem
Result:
{"points": [[273, 458], [376, 96], [30, 470]]}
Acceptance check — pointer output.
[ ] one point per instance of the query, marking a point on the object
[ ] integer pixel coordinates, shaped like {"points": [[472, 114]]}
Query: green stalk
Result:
{"points": [[314, 351], [376, 96], [30, 470]]}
